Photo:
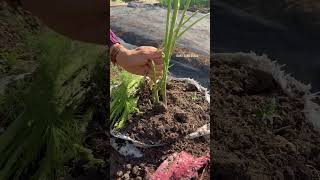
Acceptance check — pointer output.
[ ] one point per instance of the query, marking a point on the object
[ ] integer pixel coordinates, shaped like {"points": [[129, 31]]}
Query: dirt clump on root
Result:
{"points": [[257, 131], [187, 110]]}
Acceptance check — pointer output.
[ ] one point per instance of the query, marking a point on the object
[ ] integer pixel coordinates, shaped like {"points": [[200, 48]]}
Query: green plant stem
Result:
{"points": [[192, 15], [175, 38], [168, 50], [167, 23], [155, 85]]}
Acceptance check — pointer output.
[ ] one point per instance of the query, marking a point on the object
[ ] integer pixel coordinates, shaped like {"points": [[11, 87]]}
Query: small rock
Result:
{"points": [[135, 170], [132, 5], [138, 178], [160, 108], [126, 176], [129, 166], [181, 117], [173, 97], [173, 135], [119, 173], [191, 87], [162, 118]]}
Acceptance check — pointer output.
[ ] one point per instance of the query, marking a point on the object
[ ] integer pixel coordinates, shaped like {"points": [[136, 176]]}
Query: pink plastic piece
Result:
{"points": [[180, 166]]}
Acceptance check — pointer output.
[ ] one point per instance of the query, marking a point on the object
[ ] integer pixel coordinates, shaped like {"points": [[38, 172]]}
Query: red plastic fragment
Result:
{"points": [[180, 166]]}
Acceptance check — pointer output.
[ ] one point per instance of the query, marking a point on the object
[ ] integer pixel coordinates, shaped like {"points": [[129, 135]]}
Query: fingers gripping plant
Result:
{"points": [[175, 28]]}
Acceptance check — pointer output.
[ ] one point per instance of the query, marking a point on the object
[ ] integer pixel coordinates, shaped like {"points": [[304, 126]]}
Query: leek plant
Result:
{"points": [[175, 28], [155, 87]]}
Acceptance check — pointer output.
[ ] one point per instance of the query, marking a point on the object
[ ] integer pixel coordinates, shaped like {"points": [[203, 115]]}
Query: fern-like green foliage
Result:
{"points": [[38, 141], [124, 99]]}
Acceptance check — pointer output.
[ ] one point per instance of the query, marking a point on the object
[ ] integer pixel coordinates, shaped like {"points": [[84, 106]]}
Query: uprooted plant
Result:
{"points": [[174, 30]]}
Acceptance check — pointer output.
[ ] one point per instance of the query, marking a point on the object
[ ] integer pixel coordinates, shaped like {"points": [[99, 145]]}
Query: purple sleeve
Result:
{"points": [[113, 39]]}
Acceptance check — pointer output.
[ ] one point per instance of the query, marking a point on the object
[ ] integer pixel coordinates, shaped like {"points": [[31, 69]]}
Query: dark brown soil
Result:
{"points": [[187, 110], [257, 131]]}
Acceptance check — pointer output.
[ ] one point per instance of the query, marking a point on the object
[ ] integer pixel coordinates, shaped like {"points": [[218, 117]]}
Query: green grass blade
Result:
{"points": [[186, 6], [167, 24], [192, 15], [154, 86], [175, 38], [195, 22], [172, 27]]}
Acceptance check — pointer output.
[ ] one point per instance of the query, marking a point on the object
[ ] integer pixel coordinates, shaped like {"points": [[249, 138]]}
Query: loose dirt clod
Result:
{"points": [[191, 87], [181, 117], [159, 108]]}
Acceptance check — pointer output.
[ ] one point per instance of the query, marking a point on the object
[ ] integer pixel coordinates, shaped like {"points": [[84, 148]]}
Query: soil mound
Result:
{"points": [[258, 132], [186, 111]]}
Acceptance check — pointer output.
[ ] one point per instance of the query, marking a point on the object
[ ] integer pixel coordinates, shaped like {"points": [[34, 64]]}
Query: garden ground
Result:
{"points": [[258, 131]]}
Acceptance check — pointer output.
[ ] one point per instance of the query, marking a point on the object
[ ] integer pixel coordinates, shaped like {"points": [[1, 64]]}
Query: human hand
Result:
{"points": [[139, 61]]}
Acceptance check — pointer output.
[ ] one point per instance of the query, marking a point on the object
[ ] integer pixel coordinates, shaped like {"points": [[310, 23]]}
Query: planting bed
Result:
{"points": [[187, 110], [160, 124], [259, 132]]}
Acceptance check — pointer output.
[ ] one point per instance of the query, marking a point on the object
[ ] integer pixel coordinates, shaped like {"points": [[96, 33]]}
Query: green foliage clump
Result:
{"points": [[124, 99], [42, 136]]}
